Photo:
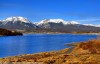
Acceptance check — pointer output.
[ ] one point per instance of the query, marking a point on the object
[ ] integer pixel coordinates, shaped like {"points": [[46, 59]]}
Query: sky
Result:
{"points": [[83, 11]]}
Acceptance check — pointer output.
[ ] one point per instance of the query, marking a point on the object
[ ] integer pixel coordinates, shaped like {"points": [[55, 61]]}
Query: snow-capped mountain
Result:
{"points": [[17, 23], [60, 25], [56, 21], [15, 19], [47, 25], [46, 21]]}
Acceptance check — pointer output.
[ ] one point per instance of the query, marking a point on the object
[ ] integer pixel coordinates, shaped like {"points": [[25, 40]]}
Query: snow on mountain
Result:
{"points": [[21, 23], [18, 18], [56, 21], [91, 25], [72, 22], [88, 24], [18, 22], [50, 20], [97, 25], [63, 22]]}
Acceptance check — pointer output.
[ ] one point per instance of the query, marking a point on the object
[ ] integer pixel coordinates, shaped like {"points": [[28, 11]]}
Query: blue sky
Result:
{"points": [[83, 11]]}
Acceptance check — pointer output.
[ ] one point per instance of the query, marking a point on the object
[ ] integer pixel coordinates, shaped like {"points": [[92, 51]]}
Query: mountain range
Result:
{"points": [[48, 25]]}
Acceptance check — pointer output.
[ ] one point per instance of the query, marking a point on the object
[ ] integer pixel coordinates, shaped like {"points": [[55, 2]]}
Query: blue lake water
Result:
{"points": [[34, 43]]}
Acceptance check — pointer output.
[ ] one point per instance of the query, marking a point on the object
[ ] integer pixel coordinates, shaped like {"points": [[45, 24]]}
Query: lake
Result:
{"points": [[34, 43]]}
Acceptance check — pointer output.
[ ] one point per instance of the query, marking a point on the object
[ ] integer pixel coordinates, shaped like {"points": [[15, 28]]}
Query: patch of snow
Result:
{"points": [[70, 22], [91, 25]]}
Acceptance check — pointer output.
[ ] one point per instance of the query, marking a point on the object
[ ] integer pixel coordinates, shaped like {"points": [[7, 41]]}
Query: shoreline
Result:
{"points": [[61, 33]]}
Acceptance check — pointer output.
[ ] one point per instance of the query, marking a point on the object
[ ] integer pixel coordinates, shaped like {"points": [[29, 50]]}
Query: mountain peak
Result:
{"points": [[17, 18], [57, 21], [17, 23], [53, 20]]}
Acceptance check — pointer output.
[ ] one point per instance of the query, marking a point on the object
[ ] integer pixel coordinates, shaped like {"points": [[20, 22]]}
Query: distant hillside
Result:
{"points": [[5, 32]]}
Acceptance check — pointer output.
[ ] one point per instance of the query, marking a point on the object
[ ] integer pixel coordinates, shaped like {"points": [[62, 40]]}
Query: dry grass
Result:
{"points": [[91, 47]]}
